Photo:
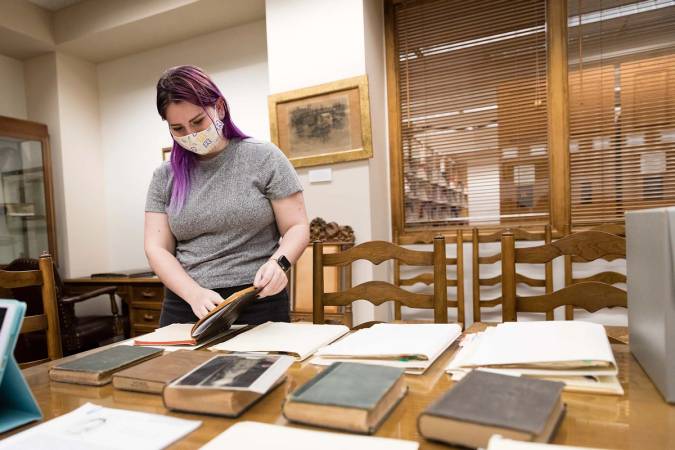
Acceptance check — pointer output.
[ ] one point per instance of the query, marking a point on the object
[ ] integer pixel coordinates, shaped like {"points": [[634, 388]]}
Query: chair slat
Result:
{"points": [[378, 292], [490, 259], [34, 323], [534, 282], [20, 279], [603, 277], [589, 245], [425, 278], [491, 302], [591, 296], [377, 252]]}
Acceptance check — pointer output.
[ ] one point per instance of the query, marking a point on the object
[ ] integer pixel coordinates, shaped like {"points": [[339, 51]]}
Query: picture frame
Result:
{"points": [[166, 153], [324, 124]]}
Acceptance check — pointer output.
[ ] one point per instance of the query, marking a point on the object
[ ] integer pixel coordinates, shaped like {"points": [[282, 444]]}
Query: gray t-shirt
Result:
{"points": [[227, 229]]}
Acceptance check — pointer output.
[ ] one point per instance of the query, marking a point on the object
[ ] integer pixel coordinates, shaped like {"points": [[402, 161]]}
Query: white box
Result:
{"points": [[651, 294]]}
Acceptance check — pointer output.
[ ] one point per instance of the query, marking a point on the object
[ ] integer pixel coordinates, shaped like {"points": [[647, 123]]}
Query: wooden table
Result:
{"points": [[638, 420]]}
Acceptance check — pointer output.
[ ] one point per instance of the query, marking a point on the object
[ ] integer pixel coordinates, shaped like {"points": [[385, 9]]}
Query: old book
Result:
{"points": [[97, 369], [484, 403], [151, 376], [297, 339], [180, 334], [224, 315], [132, 273], [347, 396], [413, 347], [226, 385]]}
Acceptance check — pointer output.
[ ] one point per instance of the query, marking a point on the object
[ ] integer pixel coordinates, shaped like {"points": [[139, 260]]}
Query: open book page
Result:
{"points": [[175, 337], [297, 339], [499, 443], [91, 425], [262, 436], [558, 345], [395, 341]]}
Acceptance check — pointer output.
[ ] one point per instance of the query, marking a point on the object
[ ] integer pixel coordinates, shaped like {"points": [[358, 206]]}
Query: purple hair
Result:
{"points": [[189, 84]]}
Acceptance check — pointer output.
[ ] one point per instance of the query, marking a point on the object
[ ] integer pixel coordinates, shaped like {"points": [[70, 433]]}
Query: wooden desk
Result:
{"points": [[142, 299], [638, 420]]}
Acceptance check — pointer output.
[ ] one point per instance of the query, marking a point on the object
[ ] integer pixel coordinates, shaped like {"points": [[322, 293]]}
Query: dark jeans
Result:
{"points": [[274, 308]]}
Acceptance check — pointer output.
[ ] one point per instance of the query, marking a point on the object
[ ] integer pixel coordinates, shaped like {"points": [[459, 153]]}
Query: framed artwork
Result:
{"points": [[166, 154], [323, 124]]}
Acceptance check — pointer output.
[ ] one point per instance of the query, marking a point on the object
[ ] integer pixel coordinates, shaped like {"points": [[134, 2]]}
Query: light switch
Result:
{"points": [[320, 175]]}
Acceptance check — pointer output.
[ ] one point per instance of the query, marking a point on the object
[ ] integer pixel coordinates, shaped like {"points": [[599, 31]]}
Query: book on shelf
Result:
{"points": [[413, 347], [264, 436], [297, 339], [98, 368], [574, 352], [131, 273], [485, 403], [151, 376], [347, 396], [226, 385]]}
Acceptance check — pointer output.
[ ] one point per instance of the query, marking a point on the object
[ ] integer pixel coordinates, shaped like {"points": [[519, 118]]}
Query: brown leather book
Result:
{"points": [[98, 368], [151, 376], [347, 396], [226, 385], [483, 404]]}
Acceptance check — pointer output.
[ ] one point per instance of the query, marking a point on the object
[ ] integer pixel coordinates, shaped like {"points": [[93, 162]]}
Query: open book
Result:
{"points": [[179, 335], [296, 339], [413, 347], [577, 353]]}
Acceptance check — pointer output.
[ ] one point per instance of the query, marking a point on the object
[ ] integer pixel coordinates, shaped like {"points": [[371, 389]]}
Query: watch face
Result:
{"points": [[284, 263]]}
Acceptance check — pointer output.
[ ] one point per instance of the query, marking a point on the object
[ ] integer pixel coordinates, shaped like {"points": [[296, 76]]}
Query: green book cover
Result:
{"points": [[349, 385], [110, 359]]}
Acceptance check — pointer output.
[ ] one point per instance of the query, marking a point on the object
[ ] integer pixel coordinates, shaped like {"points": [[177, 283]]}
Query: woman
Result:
{"points": [[214, 216]]}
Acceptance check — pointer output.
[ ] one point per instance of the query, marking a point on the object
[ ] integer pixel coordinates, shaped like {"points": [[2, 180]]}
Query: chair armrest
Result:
{"points": [[89, 295]]}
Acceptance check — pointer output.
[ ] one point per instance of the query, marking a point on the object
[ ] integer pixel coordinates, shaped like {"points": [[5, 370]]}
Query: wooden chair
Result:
{"points": [[378, 292], [588, 295], [428, 279], [48, 321], [609, 277], [477, 260], [78, 333]]}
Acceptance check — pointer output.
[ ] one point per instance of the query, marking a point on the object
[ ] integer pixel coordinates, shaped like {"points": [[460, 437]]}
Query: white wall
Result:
{"points": [[12, 88], [312, 42], [132, 133]]}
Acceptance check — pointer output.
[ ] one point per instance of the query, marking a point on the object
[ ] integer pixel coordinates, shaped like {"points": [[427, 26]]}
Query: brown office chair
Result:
{"points": [[609, 277], [428, 279], [378, 292], [77, 333], [477, 260], [42, 280], [588, 295]]}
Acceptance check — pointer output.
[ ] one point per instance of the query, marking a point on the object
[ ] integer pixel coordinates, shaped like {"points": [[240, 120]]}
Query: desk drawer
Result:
{"points": [[145, 317], [147, 294]]}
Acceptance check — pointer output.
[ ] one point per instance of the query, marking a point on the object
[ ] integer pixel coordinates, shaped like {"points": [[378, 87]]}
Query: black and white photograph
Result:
{"points": [[231, 372]]}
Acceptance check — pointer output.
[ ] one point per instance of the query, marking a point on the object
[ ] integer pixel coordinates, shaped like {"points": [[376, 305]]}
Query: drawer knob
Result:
{"points": [[147, 294], [148, 317]]}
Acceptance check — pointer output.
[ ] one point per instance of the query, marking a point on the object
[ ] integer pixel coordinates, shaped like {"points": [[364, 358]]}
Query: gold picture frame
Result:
{"points": [[324, 124]]}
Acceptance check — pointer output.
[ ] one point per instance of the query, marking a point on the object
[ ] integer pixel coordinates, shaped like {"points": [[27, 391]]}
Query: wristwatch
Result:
{"points": [[283, 262]]}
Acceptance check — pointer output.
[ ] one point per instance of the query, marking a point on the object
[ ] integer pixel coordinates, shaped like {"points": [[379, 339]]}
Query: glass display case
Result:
{"points": [[26, 205]]}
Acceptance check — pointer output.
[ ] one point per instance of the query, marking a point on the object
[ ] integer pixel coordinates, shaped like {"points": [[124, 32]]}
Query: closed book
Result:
{"points": [[484, 403], [97, 369], [347, 396], [226, 385], [151, 376]]}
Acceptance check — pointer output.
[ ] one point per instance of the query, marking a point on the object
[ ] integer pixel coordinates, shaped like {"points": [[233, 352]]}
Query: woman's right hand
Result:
{"points": [[203, 301]]}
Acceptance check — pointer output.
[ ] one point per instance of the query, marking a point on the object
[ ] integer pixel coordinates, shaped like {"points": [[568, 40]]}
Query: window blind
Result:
{"points": [[621, 65], [473, 111]]}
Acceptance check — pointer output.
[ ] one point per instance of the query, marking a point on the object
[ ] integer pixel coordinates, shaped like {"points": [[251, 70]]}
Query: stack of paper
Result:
{"points": [[262, 436], [576, 353], [92, 426], [296, 339], [413, 347]]}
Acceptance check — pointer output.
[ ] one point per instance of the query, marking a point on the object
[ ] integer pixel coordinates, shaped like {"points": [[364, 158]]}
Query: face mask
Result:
{"points": [[203, 142]]}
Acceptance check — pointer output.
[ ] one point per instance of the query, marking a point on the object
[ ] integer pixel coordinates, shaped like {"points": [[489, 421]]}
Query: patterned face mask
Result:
{"points": [[203, 142]]}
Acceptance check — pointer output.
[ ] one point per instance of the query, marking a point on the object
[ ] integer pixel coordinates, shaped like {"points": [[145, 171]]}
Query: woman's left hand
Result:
{"points": [[271, 278]]}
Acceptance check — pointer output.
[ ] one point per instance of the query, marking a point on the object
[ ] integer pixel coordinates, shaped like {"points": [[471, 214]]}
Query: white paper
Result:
{"points": [[160, 333], [297, 339], [92, 426], [499, 443], [262, 436], [413, 347]]}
